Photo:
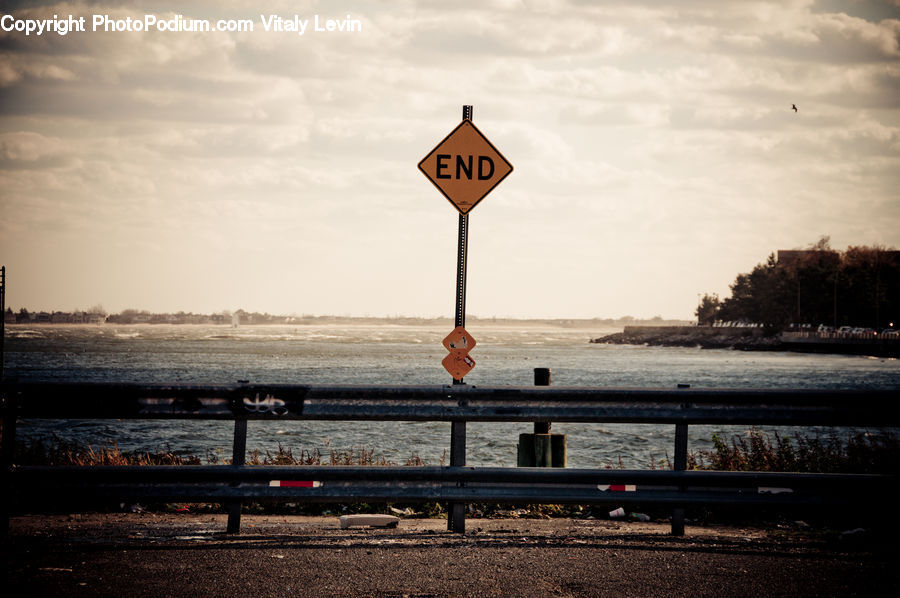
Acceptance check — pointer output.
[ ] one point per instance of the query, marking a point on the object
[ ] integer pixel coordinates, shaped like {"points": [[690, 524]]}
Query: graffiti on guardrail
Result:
{"points": [[267, 405]]}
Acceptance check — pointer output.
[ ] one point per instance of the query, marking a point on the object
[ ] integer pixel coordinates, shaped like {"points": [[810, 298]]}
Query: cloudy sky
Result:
{"points": [[656, 153]]}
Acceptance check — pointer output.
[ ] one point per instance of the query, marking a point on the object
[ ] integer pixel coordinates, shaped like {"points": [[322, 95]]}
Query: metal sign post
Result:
{"points": [[7, 415], [464, 167], [456, 518], [458, 362], [462, 254]]}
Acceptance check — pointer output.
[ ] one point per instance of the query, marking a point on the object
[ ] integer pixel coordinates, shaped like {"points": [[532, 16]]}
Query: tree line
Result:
{"points": [[859, 286]]}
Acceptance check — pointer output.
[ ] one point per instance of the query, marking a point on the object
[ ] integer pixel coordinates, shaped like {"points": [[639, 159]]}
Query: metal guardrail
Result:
{"points": [[459, 403], [453, 403]]}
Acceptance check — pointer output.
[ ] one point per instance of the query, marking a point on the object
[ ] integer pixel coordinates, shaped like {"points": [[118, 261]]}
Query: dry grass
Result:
{"points": [[757, 451], [754, 451], [58, 451]]}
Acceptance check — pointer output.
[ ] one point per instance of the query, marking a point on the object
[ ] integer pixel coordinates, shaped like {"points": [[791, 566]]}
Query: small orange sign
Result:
{"points": [[459, 339], [458, 363], [465, 166]]}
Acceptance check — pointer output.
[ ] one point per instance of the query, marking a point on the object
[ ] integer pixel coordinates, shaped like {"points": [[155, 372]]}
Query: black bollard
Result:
{"points": [[541, 448]]}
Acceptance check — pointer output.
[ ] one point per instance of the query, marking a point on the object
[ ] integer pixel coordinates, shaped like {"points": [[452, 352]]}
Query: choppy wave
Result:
{"points": [[24, 333], [127, 334]]}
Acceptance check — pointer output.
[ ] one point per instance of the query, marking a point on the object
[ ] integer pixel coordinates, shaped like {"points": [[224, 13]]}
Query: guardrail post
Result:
{"points": [[8, 440], [7, 416], [681, 442], [543, 448], [2, 319], [456, 518], [238, 457], [542, 378], [681, 437]]}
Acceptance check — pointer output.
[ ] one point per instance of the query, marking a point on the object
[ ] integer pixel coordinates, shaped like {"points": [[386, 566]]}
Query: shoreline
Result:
{"points": [[746, 339], [743, 339]]}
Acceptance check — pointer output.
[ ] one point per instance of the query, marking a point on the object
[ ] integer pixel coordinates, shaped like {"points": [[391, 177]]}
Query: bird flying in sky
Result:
{"points": [[794, 106]]}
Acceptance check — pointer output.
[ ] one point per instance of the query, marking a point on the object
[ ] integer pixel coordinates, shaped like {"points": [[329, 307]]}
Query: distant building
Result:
{"points": [[789, 257]]}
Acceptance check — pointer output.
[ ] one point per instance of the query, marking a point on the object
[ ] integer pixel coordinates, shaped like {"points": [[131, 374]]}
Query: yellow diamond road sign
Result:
{"points": [[458, 363], [465, 166], [459, 339]]}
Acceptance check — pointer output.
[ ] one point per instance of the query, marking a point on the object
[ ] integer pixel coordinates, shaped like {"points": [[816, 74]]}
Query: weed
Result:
{"points": [[755, 451], [861, 452]]}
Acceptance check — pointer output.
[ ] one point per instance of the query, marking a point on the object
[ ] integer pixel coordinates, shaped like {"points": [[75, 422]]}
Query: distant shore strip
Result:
{"points": [[752, 339]]}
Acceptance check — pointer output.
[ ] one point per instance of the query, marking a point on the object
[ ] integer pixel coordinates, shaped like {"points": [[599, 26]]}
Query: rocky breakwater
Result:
{"points": [[706, 337]]}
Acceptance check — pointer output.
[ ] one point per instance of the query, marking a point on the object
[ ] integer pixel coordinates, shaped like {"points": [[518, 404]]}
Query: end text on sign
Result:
{"points": [[465, 167]]}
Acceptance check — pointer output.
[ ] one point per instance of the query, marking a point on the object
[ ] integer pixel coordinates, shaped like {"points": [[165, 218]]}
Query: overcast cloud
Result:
{"points": [[656, 153]]}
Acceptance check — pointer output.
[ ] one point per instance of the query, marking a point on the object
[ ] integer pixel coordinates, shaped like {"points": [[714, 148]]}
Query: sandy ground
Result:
{"points": [[152, 554]]}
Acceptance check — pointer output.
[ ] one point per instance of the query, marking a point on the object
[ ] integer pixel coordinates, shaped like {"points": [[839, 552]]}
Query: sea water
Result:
{"points": [[404, 354]]}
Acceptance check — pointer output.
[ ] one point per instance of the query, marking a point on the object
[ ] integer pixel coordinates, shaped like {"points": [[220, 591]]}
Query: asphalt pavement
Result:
{"points": [[151, 555]]}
